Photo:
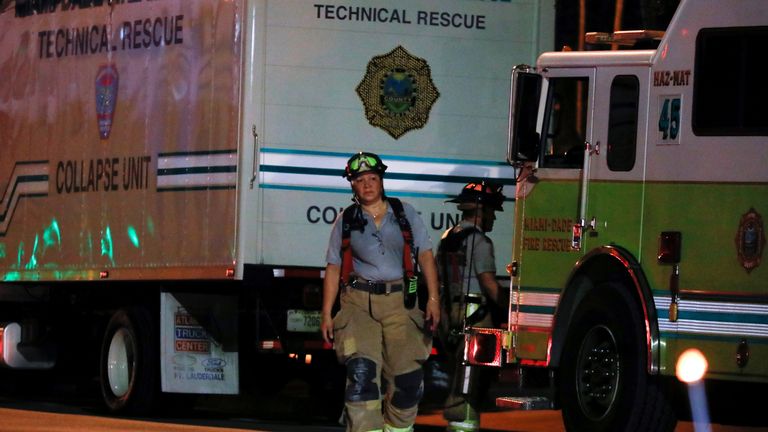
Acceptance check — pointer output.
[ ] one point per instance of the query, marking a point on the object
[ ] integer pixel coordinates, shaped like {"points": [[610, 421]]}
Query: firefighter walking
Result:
{"points": [[467, 269], [379, 333]]}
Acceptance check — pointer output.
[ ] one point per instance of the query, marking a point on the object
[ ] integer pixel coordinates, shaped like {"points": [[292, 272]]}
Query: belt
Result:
{"points": [[377, 287], [469, 298]]}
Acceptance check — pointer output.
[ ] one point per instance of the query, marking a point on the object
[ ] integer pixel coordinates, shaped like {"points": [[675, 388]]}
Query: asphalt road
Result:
{"points": [[32, 416], [66, 408]]}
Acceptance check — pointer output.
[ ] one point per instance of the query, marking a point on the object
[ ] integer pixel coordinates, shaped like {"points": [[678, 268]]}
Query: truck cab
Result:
{"points": [[639, 226]]}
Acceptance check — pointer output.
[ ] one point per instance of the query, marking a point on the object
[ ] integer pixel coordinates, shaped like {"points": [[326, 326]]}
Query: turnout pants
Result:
{"points": [[383, 346]]}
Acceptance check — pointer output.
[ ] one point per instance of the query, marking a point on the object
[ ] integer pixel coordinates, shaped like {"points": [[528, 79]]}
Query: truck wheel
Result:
{"points": [[326, 387], [128, 366], [604, 384]]}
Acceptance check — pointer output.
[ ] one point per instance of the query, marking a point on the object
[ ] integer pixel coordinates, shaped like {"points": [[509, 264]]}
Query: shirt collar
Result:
{"points": [[464, 224]]}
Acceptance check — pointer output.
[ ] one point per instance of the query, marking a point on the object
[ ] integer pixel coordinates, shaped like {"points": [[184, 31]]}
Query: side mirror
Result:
{"points": [[524, 99]]}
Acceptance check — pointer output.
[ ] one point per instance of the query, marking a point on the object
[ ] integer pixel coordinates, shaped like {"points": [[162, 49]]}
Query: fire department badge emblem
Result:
{"points": [[106, 98], [750, 240], [397, 92]]}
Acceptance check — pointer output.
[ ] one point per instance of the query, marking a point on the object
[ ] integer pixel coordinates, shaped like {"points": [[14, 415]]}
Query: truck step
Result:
{"points": [[525, 403]]}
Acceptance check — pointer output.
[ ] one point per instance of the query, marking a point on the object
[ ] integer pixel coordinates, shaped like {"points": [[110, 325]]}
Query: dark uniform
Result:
{"points": [[465, 253]]}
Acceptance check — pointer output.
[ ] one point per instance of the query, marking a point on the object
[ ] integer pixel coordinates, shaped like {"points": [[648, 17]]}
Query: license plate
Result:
{"points": [[303, 320]]}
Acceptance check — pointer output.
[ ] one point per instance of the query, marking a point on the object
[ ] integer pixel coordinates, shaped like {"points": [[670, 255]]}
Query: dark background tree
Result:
{"points": [[573, 18]]}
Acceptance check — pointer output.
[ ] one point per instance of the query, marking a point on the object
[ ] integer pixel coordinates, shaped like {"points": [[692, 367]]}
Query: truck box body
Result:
{"points": [[167, 162], [300, 160], [160, 187], [146, 190]]}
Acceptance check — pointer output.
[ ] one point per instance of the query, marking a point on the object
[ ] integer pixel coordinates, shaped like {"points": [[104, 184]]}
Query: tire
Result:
{"points": [[604, 384], [128, 367], [326, 388], [272, 374]]}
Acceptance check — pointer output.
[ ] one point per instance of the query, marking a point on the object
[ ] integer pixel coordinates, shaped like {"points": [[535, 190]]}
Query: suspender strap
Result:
{"points": [[347, 222], [409, 257]]}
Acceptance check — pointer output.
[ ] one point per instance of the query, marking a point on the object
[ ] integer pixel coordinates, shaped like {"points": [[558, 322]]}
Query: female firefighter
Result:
{"points": [[376, 246]]}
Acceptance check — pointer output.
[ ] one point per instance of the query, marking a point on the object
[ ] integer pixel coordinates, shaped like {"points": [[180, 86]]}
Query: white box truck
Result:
{"points": [[170, 169]]}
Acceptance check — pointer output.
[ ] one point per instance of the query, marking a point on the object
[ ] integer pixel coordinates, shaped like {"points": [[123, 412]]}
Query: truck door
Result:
{"points": [[548, 205], [616, 162]]}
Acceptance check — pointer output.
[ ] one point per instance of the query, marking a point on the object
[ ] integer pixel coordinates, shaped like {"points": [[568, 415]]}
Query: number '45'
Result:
{"points": [[669, 120]]}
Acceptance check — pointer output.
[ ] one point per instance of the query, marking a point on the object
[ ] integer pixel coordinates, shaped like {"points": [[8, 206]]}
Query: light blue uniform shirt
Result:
{"points": [[377, 254]]}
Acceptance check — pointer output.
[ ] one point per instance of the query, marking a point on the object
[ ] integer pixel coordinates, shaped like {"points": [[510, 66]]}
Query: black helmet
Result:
{"points": [[482, 192], [363, 162]]}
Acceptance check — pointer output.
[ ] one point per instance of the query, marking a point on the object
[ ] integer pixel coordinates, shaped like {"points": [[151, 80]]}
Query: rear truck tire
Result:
{"points": [[129, 363], [604, 383], [327, 384], [272, 373]]}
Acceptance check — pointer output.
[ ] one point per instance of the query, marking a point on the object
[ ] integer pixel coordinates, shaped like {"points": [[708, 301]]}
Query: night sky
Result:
{"points": [[638, 14]]}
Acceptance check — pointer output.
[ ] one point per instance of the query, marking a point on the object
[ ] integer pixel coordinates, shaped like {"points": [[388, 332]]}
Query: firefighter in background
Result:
{"points": [[379, 333], [467, 269]]}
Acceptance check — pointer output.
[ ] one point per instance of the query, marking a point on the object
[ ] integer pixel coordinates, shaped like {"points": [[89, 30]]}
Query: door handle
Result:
{"points": [[255, 154]]}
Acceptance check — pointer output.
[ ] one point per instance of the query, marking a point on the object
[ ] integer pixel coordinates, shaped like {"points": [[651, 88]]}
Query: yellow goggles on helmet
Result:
{"points": [[363, 162], [356, 163]]}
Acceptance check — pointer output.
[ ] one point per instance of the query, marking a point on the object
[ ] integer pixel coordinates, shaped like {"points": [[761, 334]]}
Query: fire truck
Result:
{"points": [[170, 170], [639, 230]]}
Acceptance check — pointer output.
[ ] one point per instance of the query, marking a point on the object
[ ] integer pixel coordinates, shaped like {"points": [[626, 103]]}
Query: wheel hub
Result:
{"points": [[598, 372], [119, 363]]}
